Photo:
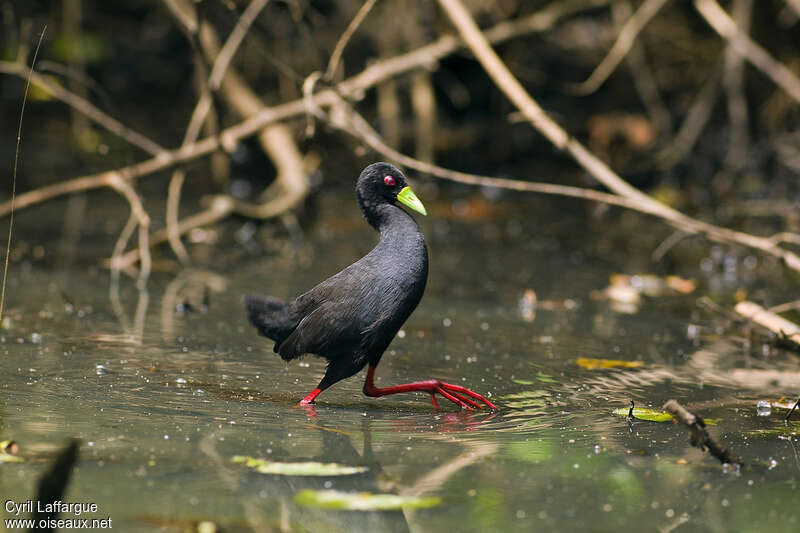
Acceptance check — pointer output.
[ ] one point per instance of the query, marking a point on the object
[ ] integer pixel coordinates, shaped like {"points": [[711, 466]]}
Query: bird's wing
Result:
{"points": [[320, 332]]}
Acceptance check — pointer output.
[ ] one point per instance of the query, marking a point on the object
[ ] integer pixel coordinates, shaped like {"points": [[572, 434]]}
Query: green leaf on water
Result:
{"points": [[8, 452], [654, 415], [545, 378], [522, 381], [305, 468], [591, 363], [643, 413], [528, 398], [362, 501]]}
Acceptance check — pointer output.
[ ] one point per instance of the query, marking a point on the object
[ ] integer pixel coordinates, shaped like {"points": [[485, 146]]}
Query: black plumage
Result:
{"points": [[351, 318]]}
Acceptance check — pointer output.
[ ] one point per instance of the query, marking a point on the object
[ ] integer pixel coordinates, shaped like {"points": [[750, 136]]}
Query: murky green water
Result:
{"points": [[163, 402]]}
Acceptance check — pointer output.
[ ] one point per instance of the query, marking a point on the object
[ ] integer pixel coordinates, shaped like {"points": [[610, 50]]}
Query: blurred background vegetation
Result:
{"points": [[682, 116]]}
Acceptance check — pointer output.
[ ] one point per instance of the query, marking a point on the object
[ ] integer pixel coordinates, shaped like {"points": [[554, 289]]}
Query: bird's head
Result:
{"points": [[382, 183]]}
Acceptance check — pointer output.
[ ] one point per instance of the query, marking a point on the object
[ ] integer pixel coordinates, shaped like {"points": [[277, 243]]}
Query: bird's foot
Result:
{"points": [[461, 396]]}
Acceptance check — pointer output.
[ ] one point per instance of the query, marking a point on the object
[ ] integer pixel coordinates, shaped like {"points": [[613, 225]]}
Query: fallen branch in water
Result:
{"points": [[698, 434], [787, 331]]}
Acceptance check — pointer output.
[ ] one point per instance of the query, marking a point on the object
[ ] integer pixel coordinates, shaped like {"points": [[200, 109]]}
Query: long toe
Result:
{"points": [[458, 389], [452, 398]]}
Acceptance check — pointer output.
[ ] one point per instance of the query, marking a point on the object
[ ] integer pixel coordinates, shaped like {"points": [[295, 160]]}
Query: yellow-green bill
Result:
{"points": [[410, 200]]}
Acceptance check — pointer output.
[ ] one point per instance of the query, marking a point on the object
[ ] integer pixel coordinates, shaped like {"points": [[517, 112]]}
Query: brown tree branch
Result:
{"points": [[333, 63], [698, 434], [83, 106], [724, 25], [200, 113], [625, 41], [351, 87]]}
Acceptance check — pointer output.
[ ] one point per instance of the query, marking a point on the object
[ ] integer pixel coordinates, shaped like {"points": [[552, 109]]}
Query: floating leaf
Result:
{"points": [[540, 376], [306, 468], [545, 378], [643, 413], [8, 458], [362, 501], [527, 399], [8, 452], [9, 446], [590, 363]]}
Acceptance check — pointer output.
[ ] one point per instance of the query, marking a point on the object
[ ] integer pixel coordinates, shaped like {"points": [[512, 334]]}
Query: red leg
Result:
{"points": [[310, 398], [455, 393]]}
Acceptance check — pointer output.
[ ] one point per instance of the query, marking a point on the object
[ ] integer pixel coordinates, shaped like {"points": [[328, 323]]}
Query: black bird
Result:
{"points": [[351, 317]]}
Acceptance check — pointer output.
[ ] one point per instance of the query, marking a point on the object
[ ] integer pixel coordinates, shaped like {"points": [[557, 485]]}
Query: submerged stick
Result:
{"points": [[787, 330], [14, 175], [699, 436]]}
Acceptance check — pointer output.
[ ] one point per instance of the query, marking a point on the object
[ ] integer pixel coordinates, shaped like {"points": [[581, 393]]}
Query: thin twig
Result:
{"points": [[625, 41], [142, 220], [200, 113], [786, 330], [345, 38], [782, 308], [699, 435], [722, 23], [14, 174], [643, 78], [85, 107], [732, 80], [357, 126], [667, 244], [693, 125]]}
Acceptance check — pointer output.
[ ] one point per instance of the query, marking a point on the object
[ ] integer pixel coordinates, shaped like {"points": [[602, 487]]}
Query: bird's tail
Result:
{"points": [[269, 315]]}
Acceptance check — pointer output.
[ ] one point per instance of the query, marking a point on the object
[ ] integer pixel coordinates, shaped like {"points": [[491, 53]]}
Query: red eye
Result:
{"points": [[388, 180]]}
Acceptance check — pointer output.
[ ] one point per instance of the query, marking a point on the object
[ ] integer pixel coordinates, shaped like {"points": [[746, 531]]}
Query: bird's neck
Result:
{"points": [[389, 219]]}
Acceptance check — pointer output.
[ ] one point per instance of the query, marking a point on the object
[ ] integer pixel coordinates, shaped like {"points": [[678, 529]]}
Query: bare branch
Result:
{"points": [[785, 329], [625, 41], [699, 436], [643, 77], [142, 220], [355, 86], [83, 106], [200, 113], [514, 91], [732, 80], [718, 19], [693, 125], [333, 63]]}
